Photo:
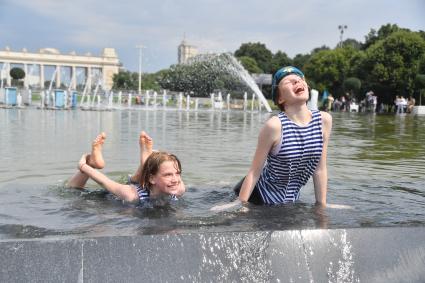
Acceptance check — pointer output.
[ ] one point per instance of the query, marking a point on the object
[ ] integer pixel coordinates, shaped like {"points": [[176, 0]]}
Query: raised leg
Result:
{"points": [[94, 159], [146, 148]]}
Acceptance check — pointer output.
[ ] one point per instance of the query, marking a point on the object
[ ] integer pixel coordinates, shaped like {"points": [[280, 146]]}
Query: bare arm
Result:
{"points": [[320, 176], [124, 192], [269, 136]]}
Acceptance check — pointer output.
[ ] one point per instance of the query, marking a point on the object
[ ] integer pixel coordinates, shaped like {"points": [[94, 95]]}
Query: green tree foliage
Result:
{"points": [[279, 60], [384, 31], [17, 73], [420, 85], [420, 81], [329, 68], [300, 60], [126, 80], [393, 63], [353, 85], [318, 49], [259, 52], [250, 65], [349, 42]]}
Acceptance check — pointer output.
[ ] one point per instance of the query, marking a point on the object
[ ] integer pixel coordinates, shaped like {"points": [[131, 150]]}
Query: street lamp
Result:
{"points": [[341, 30], [140, 67]]}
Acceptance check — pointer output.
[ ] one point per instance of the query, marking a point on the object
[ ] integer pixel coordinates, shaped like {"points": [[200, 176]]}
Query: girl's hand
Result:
{"points": [[82, 162], [232, 206]]}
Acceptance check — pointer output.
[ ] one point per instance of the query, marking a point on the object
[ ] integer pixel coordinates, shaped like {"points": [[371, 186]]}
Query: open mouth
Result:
{"points": [[299, 90]]}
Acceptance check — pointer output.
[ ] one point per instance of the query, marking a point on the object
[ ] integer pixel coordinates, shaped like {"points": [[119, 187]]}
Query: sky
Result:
{"points": [[213, 26]]}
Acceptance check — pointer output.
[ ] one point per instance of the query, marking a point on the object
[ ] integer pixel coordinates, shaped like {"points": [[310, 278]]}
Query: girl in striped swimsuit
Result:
{"points": [[292, 147], [158, 175]]}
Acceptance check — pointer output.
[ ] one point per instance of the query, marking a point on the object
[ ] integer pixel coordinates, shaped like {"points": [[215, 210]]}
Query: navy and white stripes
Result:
{"points": [[142, 192], [289, 168]]}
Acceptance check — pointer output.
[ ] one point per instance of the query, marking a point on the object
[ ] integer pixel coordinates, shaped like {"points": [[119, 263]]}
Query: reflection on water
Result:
{"points": [[375, 167]]}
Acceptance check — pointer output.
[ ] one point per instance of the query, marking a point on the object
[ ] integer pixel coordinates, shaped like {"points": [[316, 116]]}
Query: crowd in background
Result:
{"points": [[369, 103]]}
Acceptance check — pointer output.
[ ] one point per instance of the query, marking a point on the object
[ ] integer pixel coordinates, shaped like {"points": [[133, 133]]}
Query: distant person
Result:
{"points": [[337, 105], [343, 103], [403, 104], [329, 103], [410, 104], [292, 147], [397, 103], [158, 175], [369, 101]]}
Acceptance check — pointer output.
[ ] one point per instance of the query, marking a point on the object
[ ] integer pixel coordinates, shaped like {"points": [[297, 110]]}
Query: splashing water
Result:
{"points": [[228, 64]]}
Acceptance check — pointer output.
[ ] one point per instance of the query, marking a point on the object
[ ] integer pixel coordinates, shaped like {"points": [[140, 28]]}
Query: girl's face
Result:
{"points": [[292, 89], [167, 180]]}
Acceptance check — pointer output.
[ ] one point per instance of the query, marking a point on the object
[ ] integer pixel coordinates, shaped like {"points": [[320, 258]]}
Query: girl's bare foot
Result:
{"points": [[145, 143], [95, 159]]}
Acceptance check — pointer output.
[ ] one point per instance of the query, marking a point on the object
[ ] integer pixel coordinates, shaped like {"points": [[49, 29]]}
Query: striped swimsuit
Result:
{"points": [[144, 194], [289, 166]]}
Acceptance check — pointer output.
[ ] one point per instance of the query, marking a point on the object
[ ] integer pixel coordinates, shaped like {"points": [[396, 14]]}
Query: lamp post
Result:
{"points": [[140, 67], [341, 30]]}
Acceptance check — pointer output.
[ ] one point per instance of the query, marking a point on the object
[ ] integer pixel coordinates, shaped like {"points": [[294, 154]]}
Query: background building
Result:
{"points": [[68, 70], [186, 51]]}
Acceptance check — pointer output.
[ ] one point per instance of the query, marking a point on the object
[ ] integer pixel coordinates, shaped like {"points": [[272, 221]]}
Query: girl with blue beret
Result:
{"points": [[292, 147]]}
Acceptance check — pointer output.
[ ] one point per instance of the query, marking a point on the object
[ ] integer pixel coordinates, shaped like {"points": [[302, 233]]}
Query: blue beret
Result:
{"points": [[281, 73]]}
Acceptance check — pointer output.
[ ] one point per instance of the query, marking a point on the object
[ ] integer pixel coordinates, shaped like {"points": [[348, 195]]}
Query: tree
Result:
{"points": [[420, 85], [125, 80], [392, 63], [383, 32], [318, 49], [250, 65], [329, 68], [300, 60], [16, 74], [259, 52], [352, 43], [352, 85], [279, 60]]}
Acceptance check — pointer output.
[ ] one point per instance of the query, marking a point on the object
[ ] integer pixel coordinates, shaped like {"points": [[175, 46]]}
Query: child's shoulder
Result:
{"points": [[273, 121], [326, 117], [326, 122]]}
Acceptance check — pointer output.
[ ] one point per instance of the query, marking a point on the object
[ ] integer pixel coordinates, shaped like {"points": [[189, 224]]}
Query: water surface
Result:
{"points": [[375, 164]]}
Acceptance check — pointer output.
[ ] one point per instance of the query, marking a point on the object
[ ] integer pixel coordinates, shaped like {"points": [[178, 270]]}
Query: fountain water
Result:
{"points": [[245, 101], [164, 99], [228, 101], [19, 100], [180, 101], [129, 99], [187, 102], [196, 104], [228, 64], [212, 100], [119, 98], [110, 100], [148, 96], [155, 96]]}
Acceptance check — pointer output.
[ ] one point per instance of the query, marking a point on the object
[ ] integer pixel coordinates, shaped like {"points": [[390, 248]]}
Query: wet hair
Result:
{"points": [[152, 164]]}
